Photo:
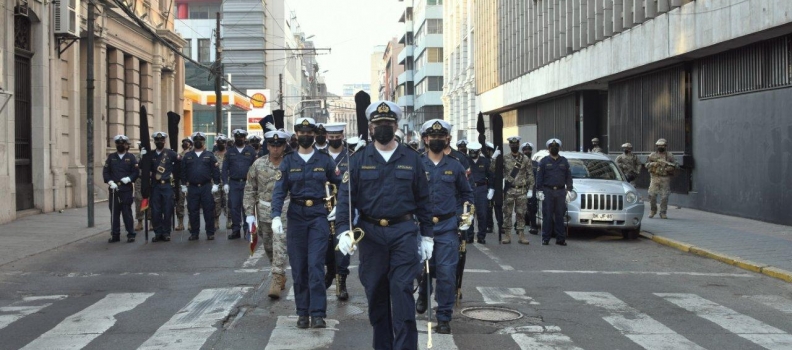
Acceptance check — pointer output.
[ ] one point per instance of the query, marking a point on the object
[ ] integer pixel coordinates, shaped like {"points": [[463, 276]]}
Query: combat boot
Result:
{"points": [[228, 223], [523, 240], [180, 226], [663, 216], [506, 238], [343, 295], [652, 214], [217, 223], [275, 285], [139, 226]]}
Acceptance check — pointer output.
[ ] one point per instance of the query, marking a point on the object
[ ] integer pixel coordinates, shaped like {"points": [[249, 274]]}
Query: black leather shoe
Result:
{"points": [[193, 238], [545, 242], [114, 239], [421, 303], [533, 231], [130, 239], [481, 241], [443, 327], [302, 322], [166, 238], [318, 322], [343, 294], [235, 235], [156, 239], [560, 242], [210, 238]]}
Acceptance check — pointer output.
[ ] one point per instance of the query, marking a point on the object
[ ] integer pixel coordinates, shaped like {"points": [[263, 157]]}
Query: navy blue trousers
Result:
{"points": [[200, 198], [161, 203], [306, 244], [120, 204], [553, 210], [236, 191], [445, 258]]}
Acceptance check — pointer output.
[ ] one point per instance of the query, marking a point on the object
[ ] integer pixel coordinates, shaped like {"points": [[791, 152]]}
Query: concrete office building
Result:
{"points": [[712, 77], [376, 70], [459, 90]]}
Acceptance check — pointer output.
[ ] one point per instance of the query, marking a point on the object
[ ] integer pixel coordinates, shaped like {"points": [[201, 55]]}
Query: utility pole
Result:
{"points": [[89, 113], [280, 91], [218, 80]]}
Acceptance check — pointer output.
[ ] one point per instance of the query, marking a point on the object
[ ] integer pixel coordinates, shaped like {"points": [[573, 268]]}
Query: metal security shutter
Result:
{"points": [[557, 118]]}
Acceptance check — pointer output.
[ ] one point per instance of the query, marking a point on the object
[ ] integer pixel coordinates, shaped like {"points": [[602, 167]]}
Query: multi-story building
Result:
{"points": [[352, 89], [711, 77], [459, 90], [376, 70], [428, 64], [342, 110], [405, 94], [391, 70], [43, 90]]}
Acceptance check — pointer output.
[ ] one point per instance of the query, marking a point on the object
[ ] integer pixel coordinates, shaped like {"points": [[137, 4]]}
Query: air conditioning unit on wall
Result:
{"points": [[67, 15], [21, 8]]}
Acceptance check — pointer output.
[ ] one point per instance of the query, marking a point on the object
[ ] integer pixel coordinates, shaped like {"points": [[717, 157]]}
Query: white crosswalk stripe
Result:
{"points": [[76, 331], [747, 327], [502, 295], [27, 306], [439, 341], [773, 301], [194, 324], [286, 335], [638, 327], [544, 341]]}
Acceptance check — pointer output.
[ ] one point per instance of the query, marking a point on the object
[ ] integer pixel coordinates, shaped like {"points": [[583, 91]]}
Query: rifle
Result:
{"points": [[513, 174]]}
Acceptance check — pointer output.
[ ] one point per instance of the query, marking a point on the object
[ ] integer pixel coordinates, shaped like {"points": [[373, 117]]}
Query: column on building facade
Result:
{"points": [[607, 19], [639, 14], [42, 107], [599, 19], [651, 9], [618, 13], [584, 23], [552, 25], [627, 15], [76, 194], [576, 25], [147, 97], [663, 6], [591, 22], [132, 98], [562, 28], [115, 95]]}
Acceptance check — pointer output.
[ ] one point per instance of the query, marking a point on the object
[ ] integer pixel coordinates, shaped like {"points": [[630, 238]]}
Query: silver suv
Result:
{"points": [[602, 198]]}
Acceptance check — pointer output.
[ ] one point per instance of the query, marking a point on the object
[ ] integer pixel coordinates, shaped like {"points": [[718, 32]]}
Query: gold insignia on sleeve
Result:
{"points": [[345, 179], [278, 175]]}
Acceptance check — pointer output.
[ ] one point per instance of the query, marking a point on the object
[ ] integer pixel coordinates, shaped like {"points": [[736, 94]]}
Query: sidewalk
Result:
{"points": [[35, 234], [749, 244]]}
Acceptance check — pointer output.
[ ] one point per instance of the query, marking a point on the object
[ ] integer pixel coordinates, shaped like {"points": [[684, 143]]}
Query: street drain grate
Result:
{"points": [[491, 314]]}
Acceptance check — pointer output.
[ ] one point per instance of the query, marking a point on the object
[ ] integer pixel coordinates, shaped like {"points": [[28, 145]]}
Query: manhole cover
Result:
{"points": [[491, 314]]}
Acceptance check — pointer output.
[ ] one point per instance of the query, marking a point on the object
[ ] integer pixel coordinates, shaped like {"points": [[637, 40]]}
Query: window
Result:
{"points": [[204, 46], [204, 11], [431, 55], [429, 84], [187, 49]]}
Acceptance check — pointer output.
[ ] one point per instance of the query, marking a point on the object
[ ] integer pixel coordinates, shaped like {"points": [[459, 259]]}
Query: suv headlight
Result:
{"points": [[632, 197], [571, 196]]}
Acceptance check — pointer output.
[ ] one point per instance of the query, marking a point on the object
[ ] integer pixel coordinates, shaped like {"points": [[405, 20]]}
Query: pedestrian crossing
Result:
{"points": [[634, 322]]}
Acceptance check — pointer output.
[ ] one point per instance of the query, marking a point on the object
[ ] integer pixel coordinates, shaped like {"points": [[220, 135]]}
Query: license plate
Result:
{"points": [[602, 217]]}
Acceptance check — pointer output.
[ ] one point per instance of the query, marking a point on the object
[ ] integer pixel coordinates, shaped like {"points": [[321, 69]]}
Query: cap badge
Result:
{"points": [[437, 126], [305, 122], [383, 108]]}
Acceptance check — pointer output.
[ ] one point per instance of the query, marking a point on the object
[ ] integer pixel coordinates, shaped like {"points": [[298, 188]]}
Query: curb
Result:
{"points": [[764, 269]]}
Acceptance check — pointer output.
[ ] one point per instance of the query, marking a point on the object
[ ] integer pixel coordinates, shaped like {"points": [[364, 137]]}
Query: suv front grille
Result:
{"points": [[598, 201]]}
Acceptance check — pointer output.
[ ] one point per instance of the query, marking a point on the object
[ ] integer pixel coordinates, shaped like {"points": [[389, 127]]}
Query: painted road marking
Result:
{"points": [[492, 256], [194, 324], [638, 327], [76, 331], [544, 341], [439, 341], [27, 306], [658, 273], [774, 301], [503, 295], [747, 327], [286, 335], [253, 259]]}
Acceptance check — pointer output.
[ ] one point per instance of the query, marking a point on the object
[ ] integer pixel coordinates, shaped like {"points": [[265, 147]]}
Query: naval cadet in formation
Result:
{"points": [[201, 178], [303, 175], [164, 171], [448, 183], [119, 173], [553, 180], [481, 178], [387, 184], [238, 160]]}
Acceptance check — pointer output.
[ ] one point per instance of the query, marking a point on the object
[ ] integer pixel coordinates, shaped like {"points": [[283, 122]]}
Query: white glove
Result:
{"points": [[269, 126], [345, 244], [427, 246], [184, 189], [496, 154], [530, 193], [126, 180], [277, 226], [225, 189], [360, 145], [143, 152], [250, 219], [332, 215], [113, 185], [490, 194], [540, 195], [215, 188], [464, 227]]}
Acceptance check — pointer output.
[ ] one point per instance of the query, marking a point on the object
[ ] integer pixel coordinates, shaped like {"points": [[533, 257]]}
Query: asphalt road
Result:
{"points": [[600, 292]]}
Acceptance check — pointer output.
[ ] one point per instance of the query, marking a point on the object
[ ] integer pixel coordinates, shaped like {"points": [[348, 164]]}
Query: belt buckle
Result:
{"points": [[383, 222], [199, 185], [435, 219], [309, 203]]}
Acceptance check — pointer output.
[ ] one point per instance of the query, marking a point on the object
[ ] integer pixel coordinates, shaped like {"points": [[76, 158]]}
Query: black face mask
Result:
{"points": [[627, 151], [514, 149], [198, 144], [554, 151], [160, 145], [384, 134], [661, 149], [335, 143], [239, 143], [293, 144], [321, 139], [527, 153], [120, 148], [221, 147], [305, 141], [437, 146], [255, 146], [474, 154], [185, 146]]}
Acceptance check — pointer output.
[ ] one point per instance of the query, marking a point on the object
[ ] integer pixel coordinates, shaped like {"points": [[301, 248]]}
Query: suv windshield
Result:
{"points": [[594, 169]]}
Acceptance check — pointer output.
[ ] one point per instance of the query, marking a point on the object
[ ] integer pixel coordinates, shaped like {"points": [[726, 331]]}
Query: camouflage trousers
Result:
{"points": [[221, 203], [180, 205], [138, 202], [514, 202], [659, 186], [274, 246]]}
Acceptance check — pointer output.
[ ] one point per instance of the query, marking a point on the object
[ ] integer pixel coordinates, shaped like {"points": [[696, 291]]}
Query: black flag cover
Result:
{"points": [[173, 130], [145, 161], [481, 128], [497, 136], [362, 101], [278, 115]]}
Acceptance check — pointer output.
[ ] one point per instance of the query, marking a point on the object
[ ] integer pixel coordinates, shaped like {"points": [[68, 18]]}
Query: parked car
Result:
{"points": [[602, 198]]}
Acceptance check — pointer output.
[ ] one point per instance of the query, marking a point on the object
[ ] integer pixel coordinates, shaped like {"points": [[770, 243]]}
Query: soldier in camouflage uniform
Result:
{"points": [[220, 198], [595, 147], [258, 194], [661, 166], [519, 176], [629, 163], [180, 200]]}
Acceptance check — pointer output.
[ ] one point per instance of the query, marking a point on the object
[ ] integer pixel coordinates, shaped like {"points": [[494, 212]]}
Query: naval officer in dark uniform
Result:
{"points": [[553, 180], [201, 175], [164, 166], [387, 184], [236, 164], [120, 171]]}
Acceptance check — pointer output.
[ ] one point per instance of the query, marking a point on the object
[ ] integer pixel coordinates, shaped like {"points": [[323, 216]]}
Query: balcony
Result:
{"points": [[406, 52], [405, 77], [406, 100], [429, 98], [429, 70]]}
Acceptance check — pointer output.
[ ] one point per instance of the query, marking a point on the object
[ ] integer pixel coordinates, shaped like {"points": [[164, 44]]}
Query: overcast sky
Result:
{"points": [[351, 28]]}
